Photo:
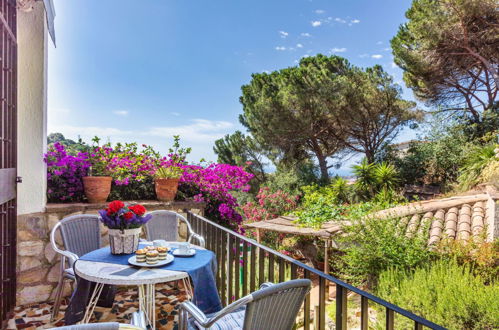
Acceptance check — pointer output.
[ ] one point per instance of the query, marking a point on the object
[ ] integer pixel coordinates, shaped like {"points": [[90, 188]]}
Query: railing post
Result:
{"points": [[341, 307], [390, 318], [364, 313], [322, 303]]}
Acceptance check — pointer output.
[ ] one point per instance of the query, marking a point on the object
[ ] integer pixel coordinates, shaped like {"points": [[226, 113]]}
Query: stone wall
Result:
{"points": [[37, 263]]}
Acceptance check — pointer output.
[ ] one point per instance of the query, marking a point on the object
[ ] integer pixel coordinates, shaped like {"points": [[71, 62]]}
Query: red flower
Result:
{"points": [[137, 209], [115, 206], [128, 215]]}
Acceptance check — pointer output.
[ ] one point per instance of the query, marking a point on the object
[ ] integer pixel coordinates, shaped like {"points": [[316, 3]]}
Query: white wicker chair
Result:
{"points": [[80, 234], [274, 306], [164, 225]]}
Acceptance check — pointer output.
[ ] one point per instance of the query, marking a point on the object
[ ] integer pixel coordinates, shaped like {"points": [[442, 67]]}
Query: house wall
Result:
{"points": [[32, 108]]}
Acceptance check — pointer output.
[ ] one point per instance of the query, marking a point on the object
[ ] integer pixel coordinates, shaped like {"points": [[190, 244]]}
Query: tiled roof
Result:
{"points": [[460, 218]]}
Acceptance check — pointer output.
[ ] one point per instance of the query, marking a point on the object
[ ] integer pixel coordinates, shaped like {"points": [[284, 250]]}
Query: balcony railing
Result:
{"points": [[244, 264]]}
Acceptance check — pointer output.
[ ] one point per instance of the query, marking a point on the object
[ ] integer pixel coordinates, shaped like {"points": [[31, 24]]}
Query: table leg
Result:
{"points": [[93, 302], [147, 300], [188, 288]]}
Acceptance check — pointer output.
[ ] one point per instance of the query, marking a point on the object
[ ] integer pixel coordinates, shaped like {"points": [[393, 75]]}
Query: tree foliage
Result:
{"points": [[323, 107], [282, 110], [449, 51], [241, 150], [372, 111]]}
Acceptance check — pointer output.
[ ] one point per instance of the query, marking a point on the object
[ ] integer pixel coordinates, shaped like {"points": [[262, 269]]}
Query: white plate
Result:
{"points": [[133, 261], [190, 253]]}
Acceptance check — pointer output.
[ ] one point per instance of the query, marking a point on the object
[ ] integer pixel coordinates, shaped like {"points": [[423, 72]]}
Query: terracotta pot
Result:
{"points": [[124, 241], [97, 188], [166, 189]]}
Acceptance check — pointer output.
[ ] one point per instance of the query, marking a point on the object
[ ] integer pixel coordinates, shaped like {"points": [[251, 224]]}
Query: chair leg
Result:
{"points": [[182, 319], [58, 296]]}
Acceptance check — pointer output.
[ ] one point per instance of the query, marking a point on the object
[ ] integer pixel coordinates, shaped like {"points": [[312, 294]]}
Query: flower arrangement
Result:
{"points": [[135, 169], [120, 216]]}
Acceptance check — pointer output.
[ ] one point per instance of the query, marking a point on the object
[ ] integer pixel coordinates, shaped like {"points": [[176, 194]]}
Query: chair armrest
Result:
{"points": [[72, 257], [199, 238], [205, 322], [266, 285], [191, 232]]}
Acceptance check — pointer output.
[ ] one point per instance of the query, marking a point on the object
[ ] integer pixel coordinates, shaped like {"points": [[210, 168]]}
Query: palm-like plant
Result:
{"points": [[386, 176], [366, 178], [342, 189], [477, 160]]}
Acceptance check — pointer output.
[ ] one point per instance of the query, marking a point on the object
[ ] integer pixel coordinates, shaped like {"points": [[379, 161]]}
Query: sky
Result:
{"points": [[147, 70]]}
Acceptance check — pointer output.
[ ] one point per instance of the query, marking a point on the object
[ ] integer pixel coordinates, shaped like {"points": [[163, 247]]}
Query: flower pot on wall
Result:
{"points": [[124, 241], [97, 188], [166, 189]]}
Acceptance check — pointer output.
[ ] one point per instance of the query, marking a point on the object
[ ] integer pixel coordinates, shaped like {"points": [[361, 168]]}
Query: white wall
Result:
{"points": [[32, 109]]}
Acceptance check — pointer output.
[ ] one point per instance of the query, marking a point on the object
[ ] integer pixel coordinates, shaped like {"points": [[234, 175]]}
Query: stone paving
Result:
{"points": [[37, 316]]}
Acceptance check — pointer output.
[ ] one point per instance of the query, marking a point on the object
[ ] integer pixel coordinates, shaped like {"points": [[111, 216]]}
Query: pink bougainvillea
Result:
{"points": [[269, 205], [212, 184]]}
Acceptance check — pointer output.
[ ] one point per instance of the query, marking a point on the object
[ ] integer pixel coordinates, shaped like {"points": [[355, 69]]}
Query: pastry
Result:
{"points": [[162, 252], [152, 257], [140, 255]]}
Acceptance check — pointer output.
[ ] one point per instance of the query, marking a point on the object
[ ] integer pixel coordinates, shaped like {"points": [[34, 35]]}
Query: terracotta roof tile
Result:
{"points": [[464, 223], [461, 218], [451, 222]]}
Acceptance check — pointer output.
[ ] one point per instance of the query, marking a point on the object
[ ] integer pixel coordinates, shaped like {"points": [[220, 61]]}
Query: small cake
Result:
{"points": [[152, 257], [162, 252], [150, 248], [140, 255]]}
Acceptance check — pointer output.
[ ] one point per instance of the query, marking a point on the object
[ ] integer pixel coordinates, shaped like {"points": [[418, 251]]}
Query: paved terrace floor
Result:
{"points": [[37, 316]]}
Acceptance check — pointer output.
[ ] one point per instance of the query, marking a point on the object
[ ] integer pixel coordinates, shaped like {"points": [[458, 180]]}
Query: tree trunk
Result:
{"points": [[321, 158], [323, 168], [369, 155]]}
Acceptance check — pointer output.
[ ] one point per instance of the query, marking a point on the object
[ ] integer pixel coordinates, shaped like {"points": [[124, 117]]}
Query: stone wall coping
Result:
{"points": [[83, 207]]}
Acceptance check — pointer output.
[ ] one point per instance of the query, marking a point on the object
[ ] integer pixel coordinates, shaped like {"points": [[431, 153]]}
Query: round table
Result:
{"points": [[144, 278]]}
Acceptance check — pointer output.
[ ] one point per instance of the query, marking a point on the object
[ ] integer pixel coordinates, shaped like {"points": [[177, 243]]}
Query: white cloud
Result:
{"points": [[299, 46], [379, 43], [340, 20], [338, 50], [199, 130], [363, 55], [320, 11], [283, 34], [393, 65], [176, 114], [387, 49], [306, 34], [123, 113], [316, 23], [377, 56], [200, 134], [355, 21], [281, 48]]}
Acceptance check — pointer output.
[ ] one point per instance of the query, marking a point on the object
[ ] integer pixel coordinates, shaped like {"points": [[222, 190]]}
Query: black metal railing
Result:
{"points": [[244, 264], [8, 157]]}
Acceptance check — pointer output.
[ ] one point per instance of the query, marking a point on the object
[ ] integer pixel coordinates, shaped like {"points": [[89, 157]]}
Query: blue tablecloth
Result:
{"points": [[201, 269]]}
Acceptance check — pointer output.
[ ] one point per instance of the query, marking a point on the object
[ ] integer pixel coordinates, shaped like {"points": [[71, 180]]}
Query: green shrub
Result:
{"points": [[443, 292], [479, 158], [373, 245]]}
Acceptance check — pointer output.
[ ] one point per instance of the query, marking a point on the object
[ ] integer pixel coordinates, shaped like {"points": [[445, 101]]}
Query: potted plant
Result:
{"points": [[166, 182], [125, 224], [97, 184], [169, 170]]}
